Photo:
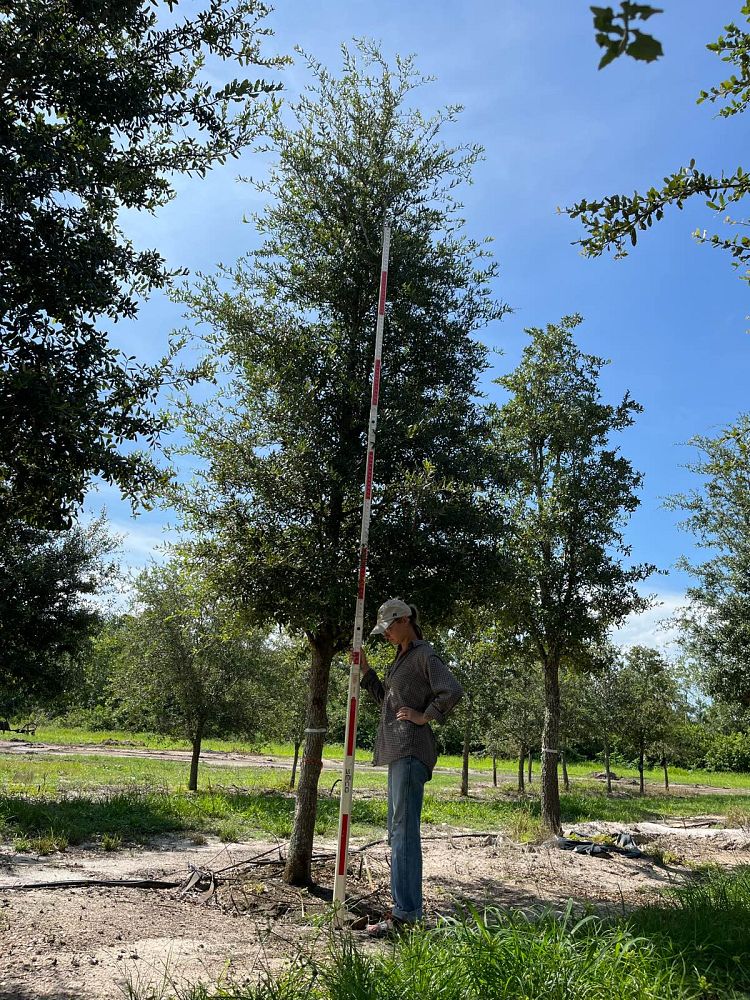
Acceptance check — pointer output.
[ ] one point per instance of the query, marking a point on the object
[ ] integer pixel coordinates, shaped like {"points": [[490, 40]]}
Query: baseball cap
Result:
{"points": [[389, 612]]}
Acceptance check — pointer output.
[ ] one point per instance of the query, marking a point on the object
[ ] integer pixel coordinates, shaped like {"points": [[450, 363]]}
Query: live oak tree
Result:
{"points": [[48, 582], [616, 222], [650, 698], [515, 727], [471, 650], [567, 497], [102, 105], [715, 625], [189, 653], [278, 511]]}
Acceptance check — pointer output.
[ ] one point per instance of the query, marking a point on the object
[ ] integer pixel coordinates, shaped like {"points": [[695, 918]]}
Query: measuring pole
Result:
{"points": [[350, 739]]}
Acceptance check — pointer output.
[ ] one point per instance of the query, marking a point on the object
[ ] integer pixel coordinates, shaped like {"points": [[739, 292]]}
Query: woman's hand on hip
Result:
{"points": [[412, 715]]}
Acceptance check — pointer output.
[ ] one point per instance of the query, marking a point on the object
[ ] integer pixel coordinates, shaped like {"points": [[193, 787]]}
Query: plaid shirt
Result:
{"points": [[416, 679]]}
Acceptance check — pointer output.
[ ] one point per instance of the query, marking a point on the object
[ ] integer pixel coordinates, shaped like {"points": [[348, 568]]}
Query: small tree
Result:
{"points": [[650, 705], [278, 515], [566, 497], [189, 654], [517, 726], [471, 649]]}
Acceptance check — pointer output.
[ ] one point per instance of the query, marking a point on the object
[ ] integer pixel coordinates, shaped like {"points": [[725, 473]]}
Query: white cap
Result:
{"points": [[389, 612]]}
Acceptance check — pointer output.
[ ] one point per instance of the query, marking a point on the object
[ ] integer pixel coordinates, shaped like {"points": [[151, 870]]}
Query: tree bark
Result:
{"points": [[297, 745], [566, 780], [550, 747], [297, 870], [606, 766], [666, 773], [494, 771], [641, 756], [531, 762], [197, 739], [521, 763], [467, 744]]}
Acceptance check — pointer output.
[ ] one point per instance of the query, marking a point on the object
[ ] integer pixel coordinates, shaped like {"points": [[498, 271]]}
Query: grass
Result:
{"points": [[693, 945], [66, 736], [46, 800]]}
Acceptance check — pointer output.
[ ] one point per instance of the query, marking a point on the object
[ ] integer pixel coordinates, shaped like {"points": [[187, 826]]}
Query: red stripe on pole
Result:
{"points": [[368, 478], [383, 284], [352, 723], [356, 654], [362, 572], [376, 383], [343, 843]]}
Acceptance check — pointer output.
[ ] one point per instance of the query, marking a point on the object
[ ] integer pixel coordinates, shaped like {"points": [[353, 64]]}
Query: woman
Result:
{"points": [[417, 689]]}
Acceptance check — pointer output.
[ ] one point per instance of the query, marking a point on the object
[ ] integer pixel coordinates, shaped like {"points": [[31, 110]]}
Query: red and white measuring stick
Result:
{"points": [[350, 739]]}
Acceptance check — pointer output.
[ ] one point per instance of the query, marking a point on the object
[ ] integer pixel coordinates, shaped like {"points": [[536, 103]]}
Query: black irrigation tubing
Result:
{"points": [[72, 883]]}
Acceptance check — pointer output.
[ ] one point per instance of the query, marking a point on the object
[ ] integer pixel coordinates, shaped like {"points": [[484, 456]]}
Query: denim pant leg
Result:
{"points": [[407, 778]]}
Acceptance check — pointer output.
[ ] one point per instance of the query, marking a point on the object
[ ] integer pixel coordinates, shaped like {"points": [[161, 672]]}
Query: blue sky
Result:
{"points": [[672, 317]]}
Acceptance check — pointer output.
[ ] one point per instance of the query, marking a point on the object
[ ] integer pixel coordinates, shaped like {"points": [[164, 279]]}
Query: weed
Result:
{"points": [[111, 841]]}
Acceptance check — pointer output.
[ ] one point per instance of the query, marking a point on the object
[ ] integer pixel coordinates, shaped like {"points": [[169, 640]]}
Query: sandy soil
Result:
{"points": [[90, 942]]}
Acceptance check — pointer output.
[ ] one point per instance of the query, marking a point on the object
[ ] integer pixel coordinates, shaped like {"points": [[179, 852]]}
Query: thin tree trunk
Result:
{"points": [[550, 747], [666, 773], [297, 870], [494, 770], [531, 761], [606, 766], [641, 756], [521, 763], [467, 745], [194, 760], [297, 745], [566, 780]]}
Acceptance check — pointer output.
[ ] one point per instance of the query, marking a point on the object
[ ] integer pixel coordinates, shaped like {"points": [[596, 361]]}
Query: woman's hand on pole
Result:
{"points": [[364, 666], [412, 715]]}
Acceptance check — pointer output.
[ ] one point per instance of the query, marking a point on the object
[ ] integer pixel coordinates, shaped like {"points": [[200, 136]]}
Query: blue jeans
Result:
{"points": [[406, 781]]}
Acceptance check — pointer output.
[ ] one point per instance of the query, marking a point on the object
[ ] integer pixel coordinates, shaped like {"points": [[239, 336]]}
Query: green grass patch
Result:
{"points": [[88, 798], [67, 736]]}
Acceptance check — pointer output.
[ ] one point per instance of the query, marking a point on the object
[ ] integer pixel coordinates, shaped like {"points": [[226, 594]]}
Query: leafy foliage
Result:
{"points": [[47, 616], [716, 625], [284, 443], [617, 36], [566, 498], [190, 655], [615, 221], [101, 105]]}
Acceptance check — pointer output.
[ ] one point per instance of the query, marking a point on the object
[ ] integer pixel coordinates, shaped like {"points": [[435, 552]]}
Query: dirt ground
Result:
{"points": [[239, 920]]}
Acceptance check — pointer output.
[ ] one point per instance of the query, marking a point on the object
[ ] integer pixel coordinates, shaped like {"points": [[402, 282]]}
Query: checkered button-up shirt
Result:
{"points": [[416, 679]]}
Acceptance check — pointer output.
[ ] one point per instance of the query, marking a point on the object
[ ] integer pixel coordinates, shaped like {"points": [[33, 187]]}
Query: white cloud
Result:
{"points": [[654, 627]]}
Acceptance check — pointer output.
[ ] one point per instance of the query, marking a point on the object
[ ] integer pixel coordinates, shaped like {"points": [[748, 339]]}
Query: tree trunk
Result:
{"points": [[494, 770], [550, 747], [566, 780], [641, 756], [297, 870], [606, 766], [197, 739], [666, 773], [297, 745], [531, 761], [467, 744], [521, 762]]}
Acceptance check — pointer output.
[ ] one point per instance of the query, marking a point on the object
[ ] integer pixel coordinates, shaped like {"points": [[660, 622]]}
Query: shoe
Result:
{"points": [[388, 927]]}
